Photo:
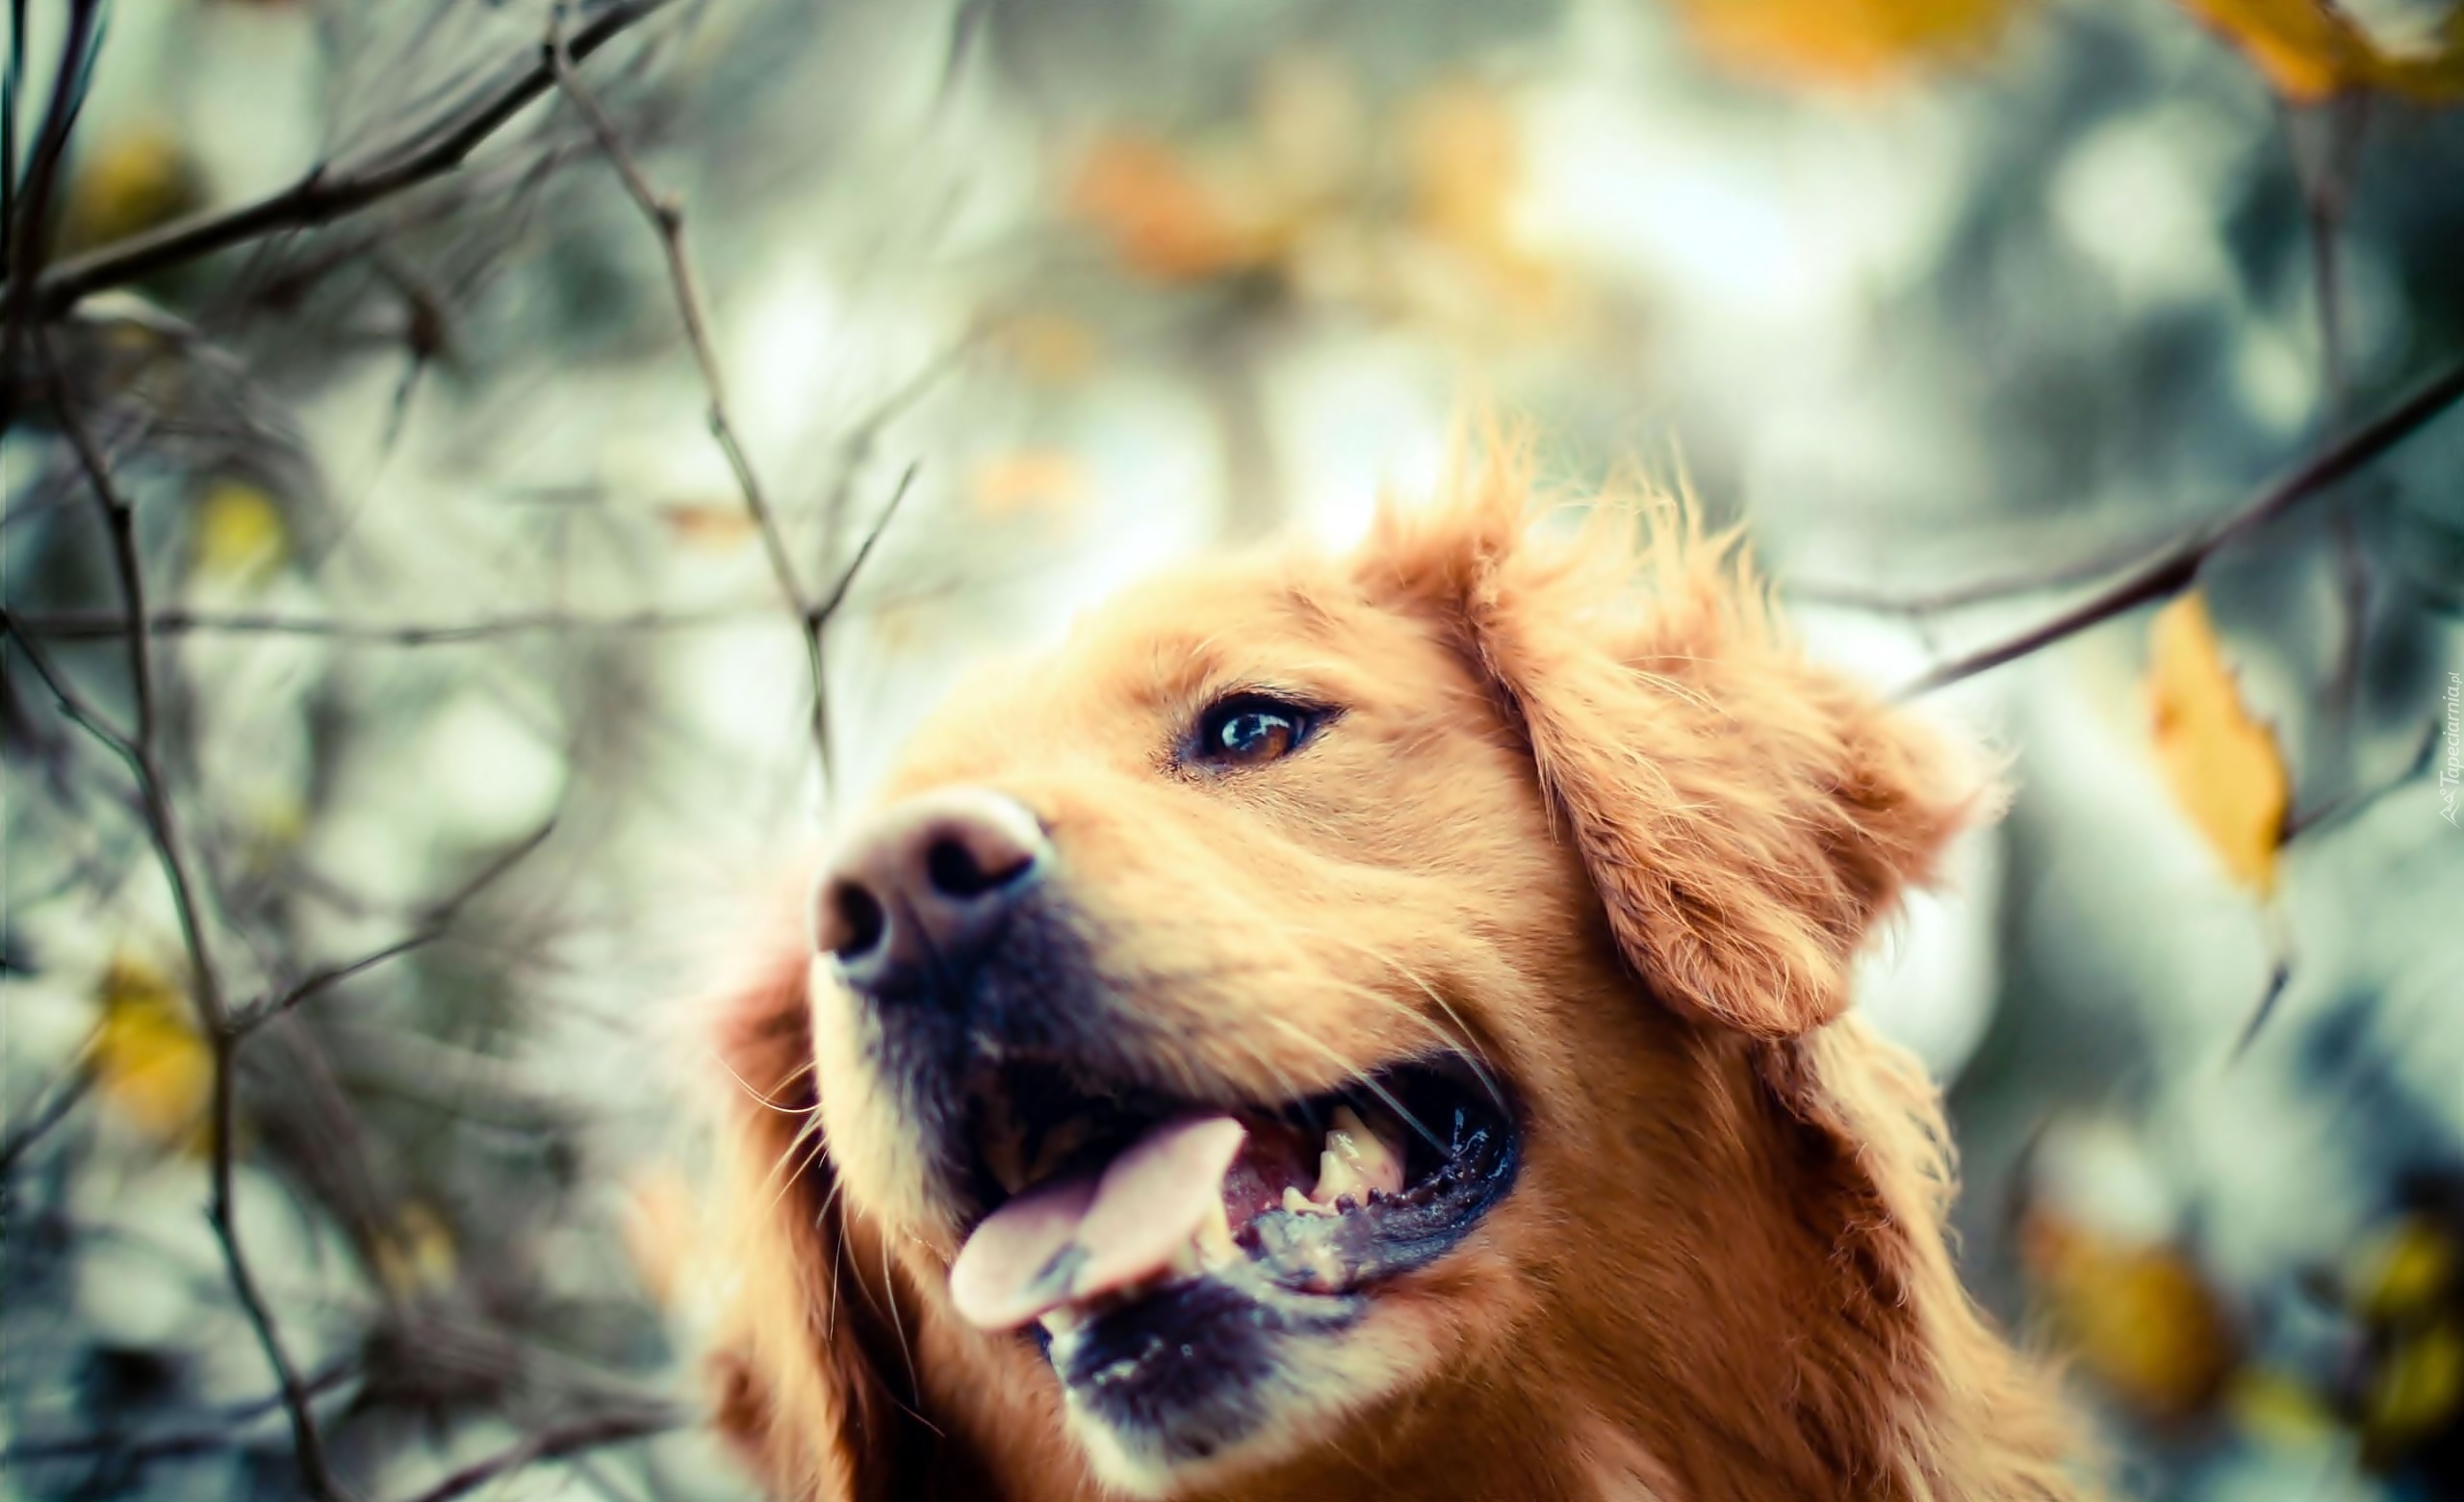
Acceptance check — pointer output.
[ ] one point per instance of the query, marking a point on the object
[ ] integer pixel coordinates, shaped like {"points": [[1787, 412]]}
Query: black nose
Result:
{"points": [[925, 885]]}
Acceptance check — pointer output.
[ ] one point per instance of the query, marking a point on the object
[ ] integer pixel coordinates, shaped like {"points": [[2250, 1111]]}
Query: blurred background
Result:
{"points": [[508, 418]]}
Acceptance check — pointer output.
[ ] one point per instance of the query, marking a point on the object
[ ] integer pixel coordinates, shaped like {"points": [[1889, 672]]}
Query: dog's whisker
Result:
{"points": [[838, 1262], [1462, 1044], [906, 1354], [765, 1101], [812, 1156], [1365, 1080], [811, 1125]]}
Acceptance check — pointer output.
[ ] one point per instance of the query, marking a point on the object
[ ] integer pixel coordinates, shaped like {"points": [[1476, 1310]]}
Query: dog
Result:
{"points": [[1372, 1027]]}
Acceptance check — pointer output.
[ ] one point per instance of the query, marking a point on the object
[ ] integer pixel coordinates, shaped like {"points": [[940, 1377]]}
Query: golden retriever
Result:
{"points": [[1372, 1028]]}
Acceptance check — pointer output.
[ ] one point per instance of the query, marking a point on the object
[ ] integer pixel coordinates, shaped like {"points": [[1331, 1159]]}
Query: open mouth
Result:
{"points": [[1099, 1200]]}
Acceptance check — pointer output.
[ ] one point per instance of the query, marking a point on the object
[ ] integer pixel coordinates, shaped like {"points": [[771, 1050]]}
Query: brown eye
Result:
{"points": [[1246, 731]]}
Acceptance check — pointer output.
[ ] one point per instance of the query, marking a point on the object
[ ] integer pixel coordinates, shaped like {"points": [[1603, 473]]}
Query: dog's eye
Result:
{"points": [[1250, 729]]}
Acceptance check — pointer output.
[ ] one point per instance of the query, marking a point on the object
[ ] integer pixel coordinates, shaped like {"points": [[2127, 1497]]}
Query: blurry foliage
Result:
{"points": [[1412, 220], [465, 662], [2140, 1318], [1855, 42], [2312, 50]]}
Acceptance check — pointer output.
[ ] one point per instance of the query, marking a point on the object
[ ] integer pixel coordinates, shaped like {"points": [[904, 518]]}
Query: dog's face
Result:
{"points": [[1290, 869], [1318, 975]]}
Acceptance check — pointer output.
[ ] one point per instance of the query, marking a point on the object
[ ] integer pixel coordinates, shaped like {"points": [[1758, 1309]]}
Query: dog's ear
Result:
{"points": [[1745, 816], [815, 1387]]}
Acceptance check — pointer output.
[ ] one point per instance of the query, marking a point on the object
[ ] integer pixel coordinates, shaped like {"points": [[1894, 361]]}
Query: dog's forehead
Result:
{"points": [[1149, 659]]}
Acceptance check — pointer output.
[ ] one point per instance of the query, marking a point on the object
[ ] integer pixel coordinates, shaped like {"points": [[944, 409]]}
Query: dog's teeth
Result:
{"points": [[1299, 1204], [1356, 1160], [1211, 1245], [1214, 1245], [1061, 1321]]}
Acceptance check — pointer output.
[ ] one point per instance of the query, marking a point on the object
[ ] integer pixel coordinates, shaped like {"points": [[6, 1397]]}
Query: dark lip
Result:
{"points": [[1460, 1163]]}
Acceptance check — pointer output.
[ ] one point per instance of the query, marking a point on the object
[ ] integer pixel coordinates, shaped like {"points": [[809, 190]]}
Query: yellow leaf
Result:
{"points": [[1163, 216], [129, 183], [1049, 346], [1466, 162], [2276, 1409], [1851, 42], [1031, 479], [2138, 1316], [1463, 150], [2310, 50], [239, 532], [2407, 1269], [2417, 1391], [1308, 121], [718, 529], [417, 1256], [151, 1068], [2222, 764]]}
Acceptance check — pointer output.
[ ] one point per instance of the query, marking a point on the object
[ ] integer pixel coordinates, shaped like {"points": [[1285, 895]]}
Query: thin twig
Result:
{"points": [[205, 979], [171, 1446], [546, 1445], [2425, 756], [856, 445], [667, 221], [58, 1101], [1961, 596], [2279, 978], [104, 626], [433, 924], [829, 608], [433, 148], [2173, 569], [817, 619]]}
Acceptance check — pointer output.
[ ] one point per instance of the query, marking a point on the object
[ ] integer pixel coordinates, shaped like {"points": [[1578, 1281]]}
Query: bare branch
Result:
{"points": [[2173, 569], [119, 522], [205, 980], [667, 221], [434, 147], [1961, 596], [855, 446], [549, 1444], [98, 626], [433, 924], [27, 230]]}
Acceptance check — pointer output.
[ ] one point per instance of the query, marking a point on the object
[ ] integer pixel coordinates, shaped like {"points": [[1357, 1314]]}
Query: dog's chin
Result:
{"points": [[1200, 1382]]}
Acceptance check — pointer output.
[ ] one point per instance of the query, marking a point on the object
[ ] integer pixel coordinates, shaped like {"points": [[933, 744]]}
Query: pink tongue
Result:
{"points": [[1070, 1240]]}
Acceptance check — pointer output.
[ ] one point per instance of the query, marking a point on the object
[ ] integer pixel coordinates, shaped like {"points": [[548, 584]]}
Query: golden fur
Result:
{"points": [[1587, 815]]}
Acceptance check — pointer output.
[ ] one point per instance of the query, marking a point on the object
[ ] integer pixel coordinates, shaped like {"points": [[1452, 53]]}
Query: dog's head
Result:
{"points": [[1324, 985]]}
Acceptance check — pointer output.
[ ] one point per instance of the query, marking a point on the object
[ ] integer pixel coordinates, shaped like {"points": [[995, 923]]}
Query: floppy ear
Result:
{"points": [[813, 1384], [1744, 815]]}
